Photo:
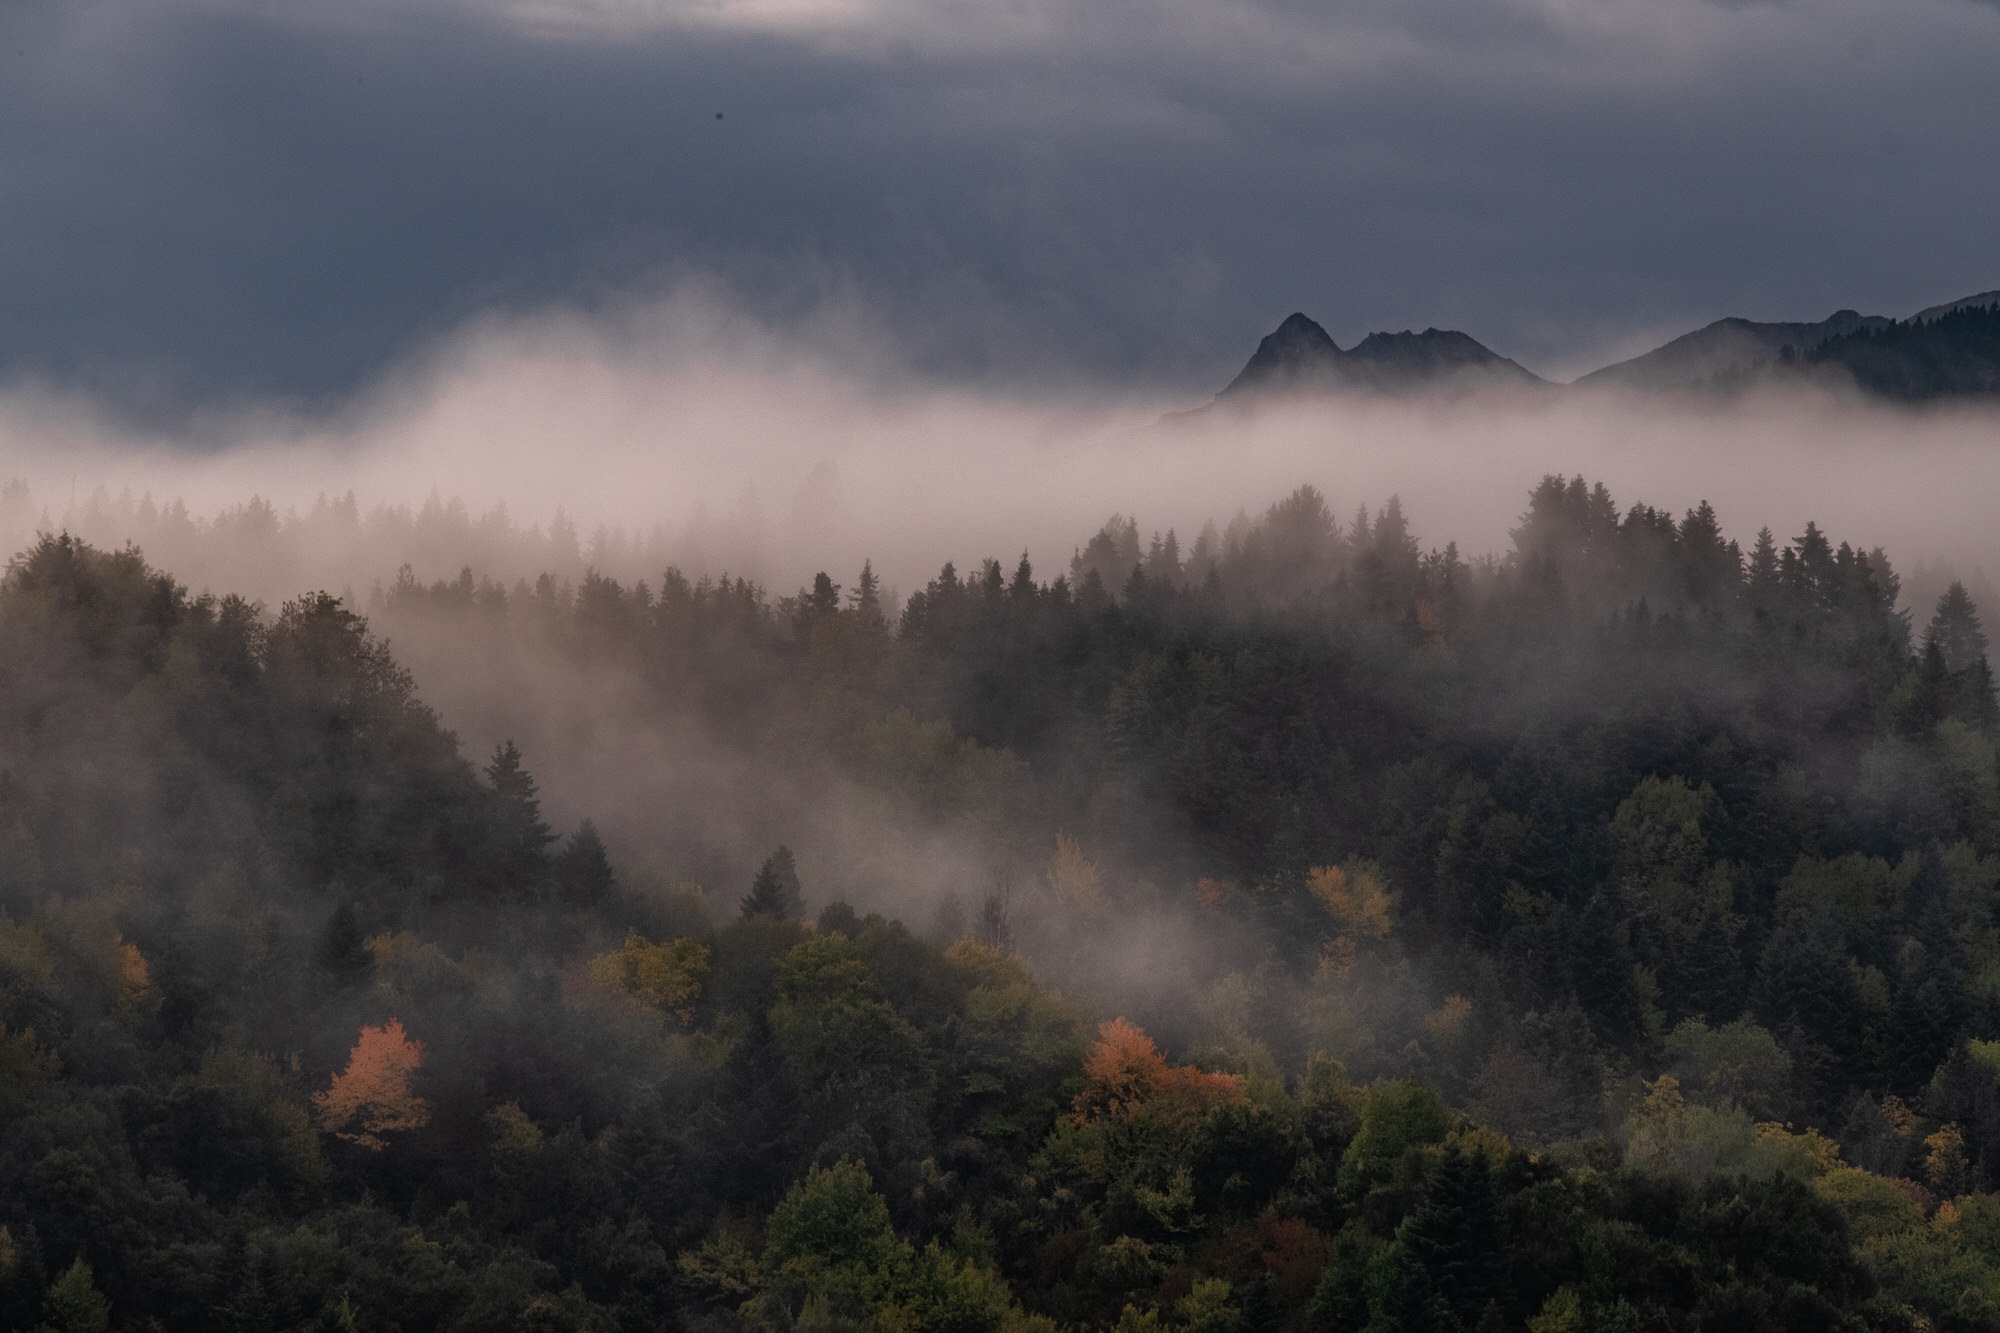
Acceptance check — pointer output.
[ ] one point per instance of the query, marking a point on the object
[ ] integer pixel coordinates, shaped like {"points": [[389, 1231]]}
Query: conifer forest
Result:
{"points": [[1305, 927]]}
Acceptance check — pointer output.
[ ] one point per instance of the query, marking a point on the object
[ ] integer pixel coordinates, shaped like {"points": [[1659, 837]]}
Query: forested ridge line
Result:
{"points": [[1596, 936]]}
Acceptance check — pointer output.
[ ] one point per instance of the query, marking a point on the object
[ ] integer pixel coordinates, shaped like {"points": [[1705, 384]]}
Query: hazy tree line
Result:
{"points": [[255, 545], [1600, 935]]}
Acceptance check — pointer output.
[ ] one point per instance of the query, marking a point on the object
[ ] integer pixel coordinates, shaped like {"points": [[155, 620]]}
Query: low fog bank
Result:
{"points": [[696, 439]]}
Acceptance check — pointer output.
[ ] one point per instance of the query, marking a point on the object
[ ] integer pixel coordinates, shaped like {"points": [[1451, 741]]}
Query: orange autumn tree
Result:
{"points": [[372, 1096], [1129, 1078]]}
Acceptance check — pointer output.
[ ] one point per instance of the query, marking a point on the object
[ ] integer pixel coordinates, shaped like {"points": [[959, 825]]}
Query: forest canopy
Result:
{"points": [[1297, 928]]}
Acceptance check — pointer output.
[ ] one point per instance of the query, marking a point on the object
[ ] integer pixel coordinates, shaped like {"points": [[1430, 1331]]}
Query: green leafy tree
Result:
{"points": [[74, 1304], [863, 1074], [832, 1259]]}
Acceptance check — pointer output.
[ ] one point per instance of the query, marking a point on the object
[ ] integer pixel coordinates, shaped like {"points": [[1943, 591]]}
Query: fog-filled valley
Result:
{"points": [[1012, 666], [572, 845]]}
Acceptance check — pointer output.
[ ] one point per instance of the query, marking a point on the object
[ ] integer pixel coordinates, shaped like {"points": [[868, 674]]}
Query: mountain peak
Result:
{"points": [[1292, 350], [1300, 356]]}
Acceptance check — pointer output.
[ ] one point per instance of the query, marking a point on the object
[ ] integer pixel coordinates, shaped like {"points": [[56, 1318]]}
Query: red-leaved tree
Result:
{"points": [[1129, 1078]]}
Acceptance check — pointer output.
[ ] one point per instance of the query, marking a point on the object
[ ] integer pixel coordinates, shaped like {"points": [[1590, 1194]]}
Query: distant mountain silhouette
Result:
{"points": [[1945, 351], [1718, 354], [1300, 357]]}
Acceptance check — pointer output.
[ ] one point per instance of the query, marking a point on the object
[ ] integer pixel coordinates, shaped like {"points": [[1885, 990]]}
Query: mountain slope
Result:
{"points": [[1933, 312], [1300, 357], [1726, 348]]}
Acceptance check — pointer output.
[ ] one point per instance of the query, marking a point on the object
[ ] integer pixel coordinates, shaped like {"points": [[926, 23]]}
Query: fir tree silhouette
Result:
{"points": [[775, 892]]}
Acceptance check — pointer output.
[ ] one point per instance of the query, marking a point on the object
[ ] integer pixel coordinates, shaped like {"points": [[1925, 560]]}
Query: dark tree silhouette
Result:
{"points": [[775, 892], [583, 868]]}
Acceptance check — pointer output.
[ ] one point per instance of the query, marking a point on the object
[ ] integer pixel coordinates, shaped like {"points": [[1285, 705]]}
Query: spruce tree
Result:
{"points": [[776, 891], [1955, 629], [820, 602], [342, 950], [520, 838], [1450, 1272], [1763, 571], [1022, 590], [867, 599], [1931, 691], [583, 869], [1976, 699]]}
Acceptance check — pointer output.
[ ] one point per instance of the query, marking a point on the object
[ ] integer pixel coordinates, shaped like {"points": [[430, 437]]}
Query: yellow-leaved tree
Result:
{"points": [[1075, 880], [135, 979], [666, 976], [372, 1096], [1354, 898]]}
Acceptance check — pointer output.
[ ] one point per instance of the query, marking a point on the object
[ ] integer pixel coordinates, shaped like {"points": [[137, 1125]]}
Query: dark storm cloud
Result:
{"points": [[208, 200]]}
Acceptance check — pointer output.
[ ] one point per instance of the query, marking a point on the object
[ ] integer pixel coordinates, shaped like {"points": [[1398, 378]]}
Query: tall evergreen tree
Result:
{"points": [[815, 604], [341, 949], [1022, 590], [583, 868], [1930, 691], [1762, 571], [520, 838], [867, 600], [776, 891], [1450, 1272], [1955, 629]]}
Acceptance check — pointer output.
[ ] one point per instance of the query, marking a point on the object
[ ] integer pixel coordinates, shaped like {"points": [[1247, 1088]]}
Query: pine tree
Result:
{"points": [[1600, 967], [520, 838], [1956, 630], [1709, 970], [342, 949], [1450, 1274], [1163, 561], [867, 600], [820, 602], [1919, 1035], [1090, 593], [1022, 590], [1976, 699], [1763, 572], [776, 891], [1931, 691], [583, 869]]}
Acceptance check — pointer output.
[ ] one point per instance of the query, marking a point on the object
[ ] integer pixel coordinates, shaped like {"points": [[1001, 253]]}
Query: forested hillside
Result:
{"points": [[1952, 354], [1325, 933]]}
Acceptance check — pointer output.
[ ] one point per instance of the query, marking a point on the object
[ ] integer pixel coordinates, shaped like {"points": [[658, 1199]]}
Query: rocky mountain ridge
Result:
{"points": [[1944, 351]]}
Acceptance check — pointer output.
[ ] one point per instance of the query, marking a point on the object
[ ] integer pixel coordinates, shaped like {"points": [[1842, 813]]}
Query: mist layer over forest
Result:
{"points": [[830, 877]]}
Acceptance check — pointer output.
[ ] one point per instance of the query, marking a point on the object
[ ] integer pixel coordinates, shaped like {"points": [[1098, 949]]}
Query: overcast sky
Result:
{"points": [[203, 200]]}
